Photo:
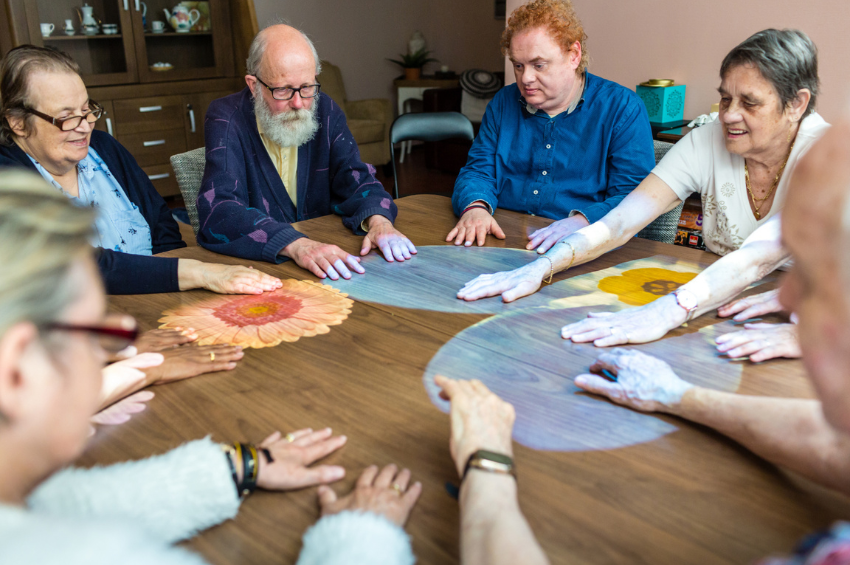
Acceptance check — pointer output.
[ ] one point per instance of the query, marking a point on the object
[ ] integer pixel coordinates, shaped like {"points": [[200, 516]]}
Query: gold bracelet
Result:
{"points": [[551, 269], [573, 249]]}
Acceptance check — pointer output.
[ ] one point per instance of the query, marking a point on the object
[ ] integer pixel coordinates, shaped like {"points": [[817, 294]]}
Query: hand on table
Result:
{"points": [[293, 454], [224, 279], [165, 338], [323, 259], [474, 225], [393, 244], [634, 325], [761, 342], [385, 493], [123, 410], [544, 238], [480, 419], [643, 382], [510, 284], [126, 376], [752, 306], [191, 361]]}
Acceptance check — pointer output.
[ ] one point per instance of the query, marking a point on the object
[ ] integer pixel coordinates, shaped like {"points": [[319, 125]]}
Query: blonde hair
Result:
{"points": [[42, 234], [560, 20]]}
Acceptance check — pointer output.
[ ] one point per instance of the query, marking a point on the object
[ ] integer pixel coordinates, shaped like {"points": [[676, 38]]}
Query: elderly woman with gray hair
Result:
{"points": [[740, 166], [47, 126]]}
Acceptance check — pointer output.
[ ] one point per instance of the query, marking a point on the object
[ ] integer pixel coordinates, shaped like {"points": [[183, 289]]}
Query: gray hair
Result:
{"points": [[786, 58], [42, 235], [258, 49]]}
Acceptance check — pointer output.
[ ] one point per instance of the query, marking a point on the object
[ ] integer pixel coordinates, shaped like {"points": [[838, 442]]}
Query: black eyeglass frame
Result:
{"points": [[126, 337], [294, 90], [98, 112]]}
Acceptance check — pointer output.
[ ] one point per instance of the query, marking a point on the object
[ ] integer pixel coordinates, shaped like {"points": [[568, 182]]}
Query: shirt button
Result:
{"points": [[544, 173], [548, 146], [531, 214], [535, 192]]}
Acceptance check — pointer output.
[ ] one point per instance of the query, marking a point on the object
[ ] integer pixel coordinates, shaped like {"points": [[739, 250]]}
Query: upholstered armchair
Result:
{"points": [[369, 120]]}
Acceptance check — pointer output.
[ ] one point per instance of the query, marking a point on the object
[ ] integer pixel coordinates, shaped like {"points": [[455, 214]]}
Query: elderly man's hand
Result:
{"points": [[392, 243], [752, 306], [761, 342], [643, 382], [633, 325], [385, 493], [543, 239], [323, 259], [480, 419], [474, 225]]}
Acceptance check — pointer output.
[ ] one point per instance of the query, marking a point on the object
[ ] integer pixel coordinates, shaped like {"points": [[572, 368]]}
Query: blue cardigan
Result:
{"points": [[243, 207], [124, 273]]}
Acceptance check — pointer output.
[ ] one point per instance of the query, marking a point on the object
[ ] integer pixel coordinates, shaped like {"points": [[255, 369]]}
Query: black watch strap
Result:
{"points": [[491, 462]]}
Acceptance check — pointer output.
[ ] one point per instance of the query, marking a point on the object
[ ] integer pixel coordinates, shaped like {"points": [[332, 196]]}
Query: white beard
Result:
{"points": [[292, 128]]}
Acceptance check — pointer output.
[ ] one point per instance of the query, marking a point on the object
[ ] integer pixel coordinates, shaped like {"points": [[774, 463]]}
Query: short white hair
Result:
{"points": [[258, 49]]}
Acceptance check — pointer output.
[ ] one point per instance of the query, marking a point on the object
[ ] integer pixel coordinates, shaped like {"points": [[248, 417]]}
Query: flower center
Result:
{"points": [[257, 310], [660, 287]]}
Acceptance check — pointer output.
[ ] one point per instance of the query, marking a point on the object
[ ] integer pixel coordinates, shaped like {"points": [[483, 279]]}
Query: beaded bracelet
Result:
{"points": [[250, 468]]}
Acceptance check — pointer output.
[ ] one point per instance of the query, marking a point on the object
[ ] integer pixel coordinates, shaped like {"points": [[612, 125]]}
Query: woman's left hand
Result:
{"points": [[633, 325], [292, 455], [761, 342], [510, 284]]}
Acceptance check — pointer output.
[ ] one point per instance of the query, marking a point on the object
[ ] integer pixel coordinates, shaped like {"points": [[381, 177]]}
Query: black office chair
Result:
{"points": [[429, 126]]}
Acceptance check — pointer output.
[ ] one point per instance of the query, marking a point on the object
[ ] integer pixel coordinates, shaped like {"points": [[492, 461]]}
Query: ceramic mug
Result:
{"points": [[69, 27], [46, 30], [158, 27]]}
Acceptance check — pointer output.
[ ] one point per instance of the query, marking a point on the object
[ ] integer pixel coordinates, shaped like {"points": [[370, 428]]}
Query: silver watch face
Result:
{"points": [[686, 300]]}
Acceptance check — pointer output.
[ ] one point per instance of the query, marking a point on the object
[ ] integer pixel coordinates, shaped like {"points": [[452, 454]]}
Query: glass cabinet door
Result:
{"points": [[182, 40], [104, 50]]}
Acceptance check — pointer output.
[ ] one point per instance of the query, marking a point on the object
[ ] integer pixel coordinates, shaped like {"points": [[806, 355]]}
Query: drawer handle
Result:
{"points": [[109, 127], [154, 143], [150, 108], [191, 119], [138, 10], [159, 177], [126, 6]]}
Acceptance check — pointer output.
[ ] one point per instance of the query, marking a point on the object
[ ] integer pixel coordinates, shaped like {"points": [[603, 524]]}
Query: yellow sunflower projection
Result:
{"points": [[297, 309], [637, 287]]}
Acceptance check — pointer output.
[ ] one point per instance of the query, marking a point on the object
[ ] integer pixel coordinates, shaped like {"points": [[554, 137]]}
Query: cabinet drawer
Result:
{"points": [[138, 115], [163, 179], [155, 147]]}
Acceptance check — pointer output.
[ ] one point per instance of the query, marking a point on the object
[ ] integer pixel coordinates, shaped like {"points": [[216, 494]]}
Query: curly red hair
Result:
{"points": [[558, 16]]}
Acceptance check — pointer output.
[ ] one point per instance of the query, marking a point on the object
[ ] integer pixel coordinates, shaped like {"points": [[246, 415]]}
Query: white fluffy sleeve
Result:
{"points": [[356, 538], [171, 496]]}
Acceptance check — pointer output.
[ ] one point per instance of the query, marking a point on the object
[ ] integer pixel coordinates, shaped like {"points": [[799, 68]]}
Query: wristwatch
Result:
{"points": [[686, 300], [490, 462]]}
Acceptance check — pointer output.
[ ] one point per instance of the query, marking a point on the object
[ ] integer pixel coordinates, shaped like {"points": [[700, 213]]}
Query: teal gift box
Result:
{"points": [[663, 103]]}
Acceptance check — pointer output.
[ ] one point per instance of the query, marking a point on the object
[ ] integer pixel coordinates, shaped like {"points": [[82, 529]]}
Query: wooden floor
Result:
{"points": [[690, 497]]}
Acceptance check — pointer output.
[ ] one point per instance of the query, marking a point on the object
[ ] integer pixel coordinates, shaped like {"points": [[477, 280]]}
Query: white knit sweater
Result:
{"points": [[132, 512]]}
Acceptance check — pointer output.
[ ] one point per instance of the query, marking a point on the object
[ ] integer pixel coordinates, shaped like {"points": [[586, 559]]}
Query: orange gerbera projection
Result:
{"points": [[297, 309], [637, 287]]}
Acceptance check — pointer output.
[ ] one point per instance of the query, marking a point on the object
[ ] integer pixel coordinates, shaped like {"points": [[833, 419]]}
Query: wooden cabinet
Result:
{"points": [[153, 113]]}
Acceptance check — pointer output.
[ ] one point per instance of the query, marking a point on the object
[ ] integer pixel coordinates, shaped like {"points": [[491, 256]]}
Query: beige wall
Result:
{"points": [[686, 40], [359, 36]]}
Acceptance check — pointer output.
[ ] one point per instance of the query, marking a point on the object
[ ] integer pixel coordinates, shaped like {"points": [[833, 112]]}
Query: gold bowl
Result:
{"points": [[659, 82]]}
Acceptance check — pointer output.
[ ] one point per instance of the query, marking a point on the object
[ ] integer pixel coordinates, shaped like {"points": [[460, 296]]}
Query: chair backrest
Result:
{"points": [[428, 126], [189, 170], [664, 227], [332, 85]]}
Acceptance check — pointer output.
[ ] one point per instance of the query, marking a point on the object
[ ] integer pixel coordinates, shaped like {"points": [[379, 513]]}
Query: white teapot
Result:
{"points": [[181, 18]]}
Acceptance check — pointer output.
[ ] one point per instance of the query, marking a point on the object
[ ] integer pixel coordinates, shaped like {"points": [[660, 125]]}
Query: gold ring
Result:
{"points": [[212, 356], [289, 437], [396, 487]]}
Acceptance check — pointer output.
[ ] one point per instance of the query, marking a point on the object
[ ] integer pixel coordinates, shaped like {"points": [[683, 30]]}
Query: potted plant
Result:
{"points": [[412, 63]]}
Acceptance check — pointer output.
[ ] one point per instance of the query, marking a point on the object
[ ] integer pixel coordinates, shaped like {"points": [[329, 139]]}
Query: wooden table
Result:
{"points": [[673, 135], [690, 497]]}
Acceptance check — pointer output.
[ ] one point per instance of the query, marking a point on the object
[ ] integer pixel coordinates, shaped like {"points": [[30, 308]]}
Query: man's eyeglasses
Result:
{"points": [[72, 122], [111, 337], [286, 93]]}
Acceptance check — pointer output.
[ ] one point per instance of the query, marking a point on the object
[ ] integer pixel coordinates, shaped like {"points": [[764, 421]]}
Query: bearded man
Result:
{"points": [[280, 152]]}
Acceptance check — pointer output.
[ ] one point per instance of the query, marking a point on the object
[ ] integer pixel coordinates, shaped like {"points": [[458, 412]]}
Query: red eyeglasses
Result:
{"points": [[112, 338]]}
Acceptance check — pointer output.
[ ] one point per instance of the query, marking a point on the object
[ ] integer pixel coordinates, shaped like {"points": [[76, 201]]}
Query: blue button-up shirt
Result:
{"points": [[586, 161]]}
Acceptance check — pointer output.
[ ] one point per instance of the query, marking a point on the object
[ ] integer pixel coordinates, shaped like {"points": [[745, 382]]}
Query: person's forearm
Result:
{"points": [[116, 386], [792, 433], [493, 529], [732, 274], [190, 274]]}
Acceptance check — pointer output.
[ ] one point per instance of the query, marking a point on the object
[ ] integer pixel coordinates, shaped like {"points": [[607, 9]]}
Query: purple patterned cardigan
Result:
{"points": [[243, 207]]}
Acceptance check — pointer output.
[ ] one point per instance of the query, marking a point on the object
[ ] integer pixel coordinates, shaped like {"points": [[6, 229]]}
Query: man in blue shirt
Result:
{"points": [[560, 143]]}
